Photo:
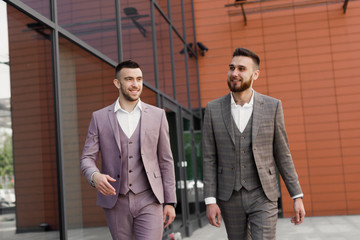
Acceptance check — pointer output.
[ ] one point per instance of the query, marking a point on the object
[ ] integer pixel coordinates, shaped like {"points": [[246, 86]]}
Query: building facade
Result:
{"points": [[62, 58], [309, 54]]}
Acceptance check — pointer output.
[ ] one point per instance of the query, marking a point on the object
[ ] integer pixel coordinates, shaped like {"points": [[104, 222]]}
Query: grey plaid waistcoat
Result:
{"points": [[246, 172]]}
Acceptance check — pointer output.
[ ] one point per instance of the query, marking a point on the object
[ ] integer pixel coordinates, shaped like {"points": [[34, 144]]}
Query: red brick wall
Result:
{"points": [[310, 60]]}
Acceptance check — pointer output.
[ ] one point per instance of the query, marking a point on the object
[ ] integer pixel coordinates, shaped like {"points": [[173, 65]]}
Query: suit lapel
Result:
{"points": [[114, 124], [143, 122], [226, 113], [257, 114]]}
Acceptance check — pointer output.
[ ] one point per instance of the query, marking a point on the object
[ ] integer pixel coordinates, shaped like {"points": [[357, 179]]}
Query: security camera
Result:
{"points": [[203, 48]]}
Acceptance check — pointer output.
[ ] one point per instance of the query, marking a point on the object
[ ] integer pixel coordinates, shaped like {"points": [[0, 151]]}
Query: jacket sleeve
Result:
{"points": [[209, 156], [166, 161], [282, 154], [91, 150]]}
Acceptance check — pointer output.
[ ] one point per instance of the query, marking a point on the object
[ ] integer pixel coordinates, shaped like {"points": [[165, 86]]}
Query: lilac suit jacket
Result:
{"points": [[103, 136]]}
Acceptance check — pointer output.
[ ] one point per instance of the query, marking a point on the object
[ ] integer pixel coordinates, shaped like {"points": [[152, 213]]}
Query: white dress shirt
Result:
{"points": [[128, 121], [241, 116]]}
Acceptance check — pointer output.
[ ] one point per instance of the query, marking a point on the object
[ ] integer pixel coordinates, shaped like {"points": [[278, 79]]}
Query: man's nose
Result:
{"points": [[135, 83], [235, 72]]}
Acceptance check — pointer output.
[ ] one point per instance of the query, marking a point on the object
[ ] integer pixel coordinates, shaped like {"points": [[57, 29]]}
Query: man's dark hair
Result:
{"points": [[125, 64], [247, 53]]}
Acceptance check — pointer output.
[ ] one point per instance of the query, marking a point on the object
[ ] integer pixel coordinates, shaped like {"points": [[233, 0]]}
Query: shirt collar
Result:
{"points": [[118, 107], [249, 104]]}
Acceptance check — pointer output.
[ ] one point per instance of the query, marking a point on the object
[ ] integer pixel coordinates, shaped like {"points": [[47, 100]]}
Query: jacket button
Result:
{"points": [[130, 171], [130, 185], [131, 157], [118, 176]]}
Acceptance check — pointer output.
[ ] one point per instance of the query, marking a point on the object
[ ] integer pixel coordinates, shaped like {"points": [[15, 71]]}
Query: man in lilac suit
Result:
{"points": [[136, 183]]}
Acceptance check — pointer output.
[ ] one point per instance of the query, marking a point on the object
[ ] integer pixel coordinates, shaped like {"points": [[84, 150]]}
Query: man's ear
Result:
{"points": [[256, 74], [116, 83]]}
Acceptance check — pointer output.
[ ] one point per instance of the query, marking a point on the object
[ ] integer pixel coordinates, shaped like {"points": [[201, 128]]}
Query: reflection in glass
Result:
{"points": [[190, 168], [165, 81], [86, 86], [171, 117], [94, 22], [41, 6], [192, 69], [137, 36], [33, 132], [180, 71], [163, 4], [176, 17], [199, 162]]}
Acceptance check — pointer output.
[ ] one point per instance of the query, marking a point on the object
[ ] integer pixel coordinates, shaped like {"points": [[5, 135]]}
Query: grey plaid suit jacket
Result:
{"points": [[270, 147]]}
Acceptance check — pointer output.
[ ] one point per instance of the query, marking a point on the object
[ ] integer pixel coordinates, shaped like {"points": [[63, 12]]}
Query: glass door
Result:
{"points": [[172, 114], [190, 170]]}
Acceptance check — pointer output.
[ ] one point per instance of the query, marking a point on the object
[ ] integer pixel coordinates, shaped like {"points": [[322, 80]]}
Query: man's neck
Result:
{"points": [[243, 97], [127, 105]]}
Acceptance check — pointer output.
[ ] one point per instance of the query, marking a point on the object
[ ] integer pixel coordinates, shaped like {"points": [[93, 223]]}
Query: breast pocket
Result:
{"points": [[152, 135], [266, 130]]}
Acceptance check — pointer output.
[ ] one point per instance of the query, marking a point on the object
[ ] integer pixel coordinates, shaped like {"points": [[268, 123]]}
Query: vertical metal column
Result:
{"points": [[118, 30], [156, 70], [172, 51], [186, 55], [196, 59], [58, 123]]}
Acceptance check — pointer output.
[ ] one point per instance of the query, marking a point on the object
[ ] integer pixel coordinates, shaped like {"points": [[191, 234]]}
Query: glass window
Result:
{"points": [[176, 16], [86, 86], [94, 22], [33, 131], [189, 24], [193, 83], [41, 6], [163, 4], [137, 36], [199, 163], [180, 71], [163, 55]]}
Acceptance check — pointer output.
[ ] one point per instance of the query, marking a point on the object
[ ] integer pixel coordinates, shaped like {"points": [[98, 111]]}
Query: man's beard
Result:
{"points": [[243, 86], [127, 96]]}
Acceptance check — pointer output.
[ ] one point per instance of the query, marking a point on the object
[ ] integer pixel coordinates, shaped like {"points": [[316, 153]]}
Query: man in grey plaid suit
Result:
{"points": [[244, 138]]}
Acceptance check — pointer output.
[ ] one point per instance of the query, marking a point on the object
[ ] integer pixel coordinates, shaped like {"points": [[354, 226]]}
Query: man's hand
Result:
{"points": [[102, 184], [213, 214], [299, 212], [169, 215]]}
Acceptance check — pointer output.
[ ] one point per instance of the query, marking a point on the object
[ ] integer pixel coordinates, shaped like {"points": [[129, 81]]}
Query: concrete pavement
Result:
{"points": [[313, 228]]}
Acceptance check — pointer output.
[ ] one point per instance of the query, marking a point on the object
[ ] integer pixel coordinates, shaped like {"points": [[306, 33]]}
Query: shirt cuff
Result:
{"points": [[91, 179], [301, 195], [210, 200]]}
